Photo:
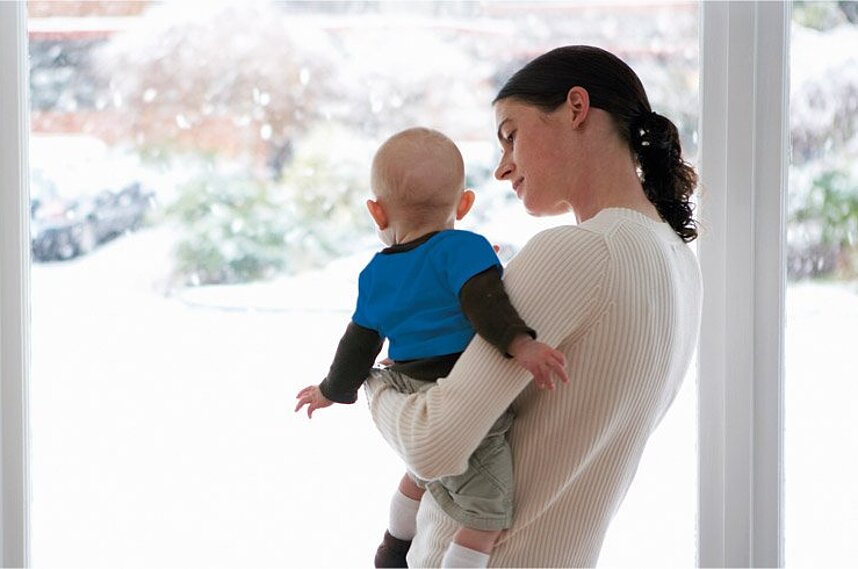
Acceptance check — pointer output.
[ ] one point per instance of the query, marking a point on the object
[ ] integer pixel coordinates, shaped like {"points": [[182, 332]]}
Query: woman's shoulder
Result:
{"points": [[564, 248], [567, 238]]}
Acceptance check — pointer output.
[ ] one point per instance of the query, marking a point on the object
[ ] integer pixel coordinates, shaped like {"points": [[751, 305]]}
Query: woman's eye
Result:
{"points": [[510, 138]]}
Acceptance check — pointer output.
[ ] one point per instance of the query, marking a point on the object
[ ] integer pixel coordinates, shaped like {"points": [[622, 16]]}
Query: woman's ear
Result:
{"points": [[578, 103], [376, 210], [466, 202]]}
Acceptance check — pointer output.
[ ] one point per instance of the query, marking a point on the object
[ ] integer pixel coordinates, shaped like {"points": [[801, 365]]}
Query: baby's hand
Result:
{"points": [[541, 360], [313, 398]]}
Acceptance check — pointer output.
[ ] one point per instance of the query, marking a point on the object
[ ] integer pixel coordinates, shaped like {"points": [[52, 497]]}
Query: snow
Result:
{"points": [[824, 92], [821, 516], [74, 164], [816, 55], [163, 431]]}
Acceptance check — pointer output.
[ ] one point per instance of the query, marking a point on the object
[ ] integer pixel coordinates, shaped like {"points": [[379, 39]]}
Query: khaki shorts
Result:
{"points": [[481, 497]]}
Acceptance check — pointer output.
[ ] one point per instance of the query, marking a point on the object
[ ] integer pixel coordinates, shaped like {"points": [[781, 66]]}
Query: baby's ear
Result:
{"points": [[376, 210], [466, 202]]}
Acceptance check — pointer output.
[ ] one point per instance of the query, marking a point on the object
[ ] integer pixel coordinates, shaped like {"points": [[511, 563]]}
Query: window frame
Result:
{"points": [[14, 285], [743, 165], [744, 137]]}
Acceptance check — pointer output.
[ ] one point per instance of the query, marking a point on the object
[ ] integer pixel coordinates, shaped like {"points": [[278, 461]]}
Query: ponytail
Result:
{"points": [[667, 179]]}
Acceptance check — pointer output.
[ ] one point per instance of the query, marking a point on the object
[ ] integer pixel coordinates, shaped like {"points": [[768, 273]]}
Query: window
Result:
{"points": [[731, 429], [198, 227], [822, 292]]}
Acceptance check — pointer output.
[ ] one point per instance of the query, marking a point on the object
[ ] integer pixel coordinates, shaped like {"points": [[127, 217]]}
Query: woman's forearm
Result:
{"points": [[435, 432]]}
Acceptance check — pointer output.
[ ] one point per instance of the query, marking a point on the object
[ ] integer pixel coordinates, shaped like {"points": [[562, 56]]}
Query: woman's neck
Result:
{"points": [[611, 181]]}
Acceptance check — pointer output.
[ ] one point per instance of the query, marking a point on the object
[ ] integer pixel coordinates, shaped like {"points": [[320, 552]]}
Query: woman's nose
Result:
{"points": [[503, 170]]}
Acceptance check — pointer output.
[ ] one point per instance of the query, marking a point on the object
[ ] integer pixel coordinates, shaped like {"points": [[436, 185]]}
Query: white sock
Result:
{"points": [[403, 516], [461, 556]]}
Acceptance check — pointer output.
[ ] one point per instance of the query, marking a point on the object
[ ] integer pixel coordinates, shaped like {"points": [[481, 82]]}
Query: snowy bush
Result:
{"points": [[324, 189], [822, 223], [231, 230], [823, 227], [234, 228]]}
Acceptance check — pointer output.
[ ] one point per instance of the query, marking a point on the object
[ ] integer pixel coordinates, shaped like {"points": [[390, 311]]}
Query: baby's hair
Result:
{"points": [[418, 172]]}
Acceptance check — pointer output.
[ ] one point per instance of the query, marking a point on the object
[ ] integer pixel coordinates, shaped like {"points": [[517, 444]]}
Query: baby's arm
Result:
{"points": [[352, 363], [540, 359], [486, 304]]}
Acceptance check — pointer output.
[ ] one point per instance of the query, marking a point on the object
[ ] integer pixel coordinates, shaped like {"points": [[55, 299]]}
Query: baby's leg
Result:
{"points": [[403, 509], [410, 488], [470, 548], [481, 498], [402, 526]]}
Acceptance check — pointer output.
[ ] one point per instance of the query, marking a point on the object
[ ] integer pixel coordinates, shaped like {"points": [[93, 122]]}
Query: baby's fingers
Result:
{"points": [[560, 371], [557, 363], [300, 404], [306, 391], [543, 380]]}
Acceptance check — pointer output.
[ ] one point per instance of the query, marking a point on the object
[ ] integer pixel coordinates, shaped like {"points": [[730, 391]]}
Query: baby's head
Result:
{"points": [[418, 175]]}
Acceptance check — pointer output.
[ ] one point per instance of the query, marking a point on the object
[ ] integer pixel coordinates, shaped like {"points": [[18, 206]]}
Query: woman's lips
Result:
{"points": [[516, 185]]}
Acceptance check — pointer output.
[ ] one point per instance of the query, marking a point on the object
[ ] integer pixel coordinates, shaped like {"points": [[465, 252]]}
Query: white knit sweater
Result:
{"points": [[620, 295]]}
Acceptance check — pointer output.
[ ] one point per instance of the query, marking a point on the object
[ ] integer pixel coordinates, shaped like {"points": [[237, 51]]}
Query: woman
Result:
{"points": [[619, 293]]}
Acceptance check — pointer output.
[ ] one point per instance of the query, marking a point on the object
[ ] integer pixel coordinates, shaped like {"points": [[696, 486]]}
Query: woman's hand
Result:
{"points": [[541, 360], [313, 398]]}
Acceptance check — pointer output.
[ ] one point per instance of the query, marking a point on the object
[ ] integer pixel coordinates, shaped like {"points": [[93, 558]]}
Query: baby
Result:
{"points": [[428, 292]]}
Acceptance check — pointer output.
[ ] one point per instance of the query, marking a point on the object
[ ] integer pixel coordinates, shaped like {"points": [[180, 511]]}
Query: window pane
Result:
{"points": [[198, 180], [821, 518]]}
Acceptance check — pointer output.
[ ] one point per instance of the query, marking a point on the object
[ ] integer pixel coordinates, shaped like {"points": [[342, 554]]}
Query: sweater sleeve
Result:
{"points": [[557, 282], [353, 361]]}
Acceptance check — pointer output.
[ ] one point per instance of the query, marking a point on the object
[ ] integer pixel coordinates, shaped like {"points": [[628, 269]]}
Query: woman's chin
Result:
{"points": [[537, 211]]}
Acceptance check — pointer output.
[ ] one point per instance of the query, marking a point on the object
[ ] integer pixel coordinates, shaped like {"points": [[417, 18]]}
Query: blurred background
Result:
{"points": [[198, 178]]}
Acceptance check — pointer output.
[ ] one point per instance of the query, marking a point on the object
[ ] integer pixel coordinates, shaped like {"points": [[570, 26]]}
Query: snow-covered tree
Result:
{"points": [[824, 91], [240, 79]]}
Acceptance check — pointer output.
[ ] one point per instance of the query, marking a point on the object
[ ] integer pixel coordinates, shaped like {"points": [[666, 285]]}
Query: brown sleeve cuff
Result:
{"points": [[353, 361]]}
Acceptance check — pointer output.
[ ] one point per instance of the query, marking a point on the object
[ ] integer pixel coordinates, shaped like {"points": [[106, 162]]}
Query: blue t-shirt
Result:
{"points": [[411, 297]]}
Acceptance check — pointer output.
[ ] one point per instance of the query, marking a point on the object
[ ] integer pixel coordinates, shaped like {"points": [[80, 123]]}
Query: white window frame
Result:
{"points": [[14, 285], [743, 165], [744, 135]]}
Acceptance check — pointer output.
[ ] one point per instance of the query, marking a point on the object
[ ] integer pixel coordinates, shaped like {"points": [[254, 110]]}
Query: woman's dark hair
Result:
{"points": [[613, 86]]}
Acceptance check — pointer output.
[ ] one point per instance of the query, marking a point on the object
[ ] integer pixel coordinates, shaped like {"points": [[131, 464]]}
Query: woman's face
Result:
{"points": [[537, 158]]}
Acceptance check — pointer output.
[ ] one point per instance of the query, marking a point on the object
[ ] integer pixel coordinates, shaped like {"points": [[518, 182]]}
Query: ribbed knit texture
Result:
{"points": [[620, 295]]}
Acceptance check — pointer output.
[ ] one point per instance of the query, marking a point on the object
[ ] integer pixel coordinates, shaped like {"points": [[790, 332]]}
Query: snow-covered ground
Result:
{"points": [[163, 432]]}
